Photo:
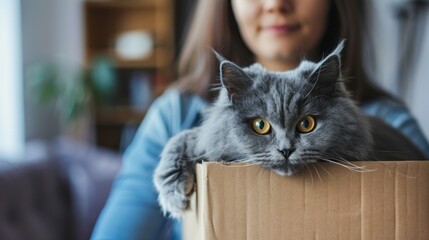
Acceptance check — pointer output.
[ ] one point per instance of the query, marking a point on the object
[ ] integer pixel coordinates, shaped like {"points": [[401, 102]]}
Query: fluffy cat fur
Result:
{"points": [[342, 132]]}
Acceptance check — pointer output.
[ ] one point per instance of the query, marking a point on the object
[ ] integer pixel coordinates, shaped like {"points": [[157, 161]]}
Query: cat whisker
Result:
{"points": [[380, 162], [350, 163], [320, 165], [351, 168], [333, 158], [260, 172], [317, 171], [312, 155], [311, 174]]}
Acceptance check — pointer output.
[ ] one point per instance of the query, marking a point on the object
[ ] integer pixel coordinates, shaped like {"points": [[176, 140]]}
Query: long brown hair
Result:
{"points": [[214, 26]]}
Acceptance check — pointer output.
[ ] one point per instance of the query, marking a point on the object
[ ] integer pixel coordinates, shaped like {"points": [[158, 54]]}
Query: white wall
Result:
{"points": [[386, 33], [51, 30], [11, 104], [418, 97]]}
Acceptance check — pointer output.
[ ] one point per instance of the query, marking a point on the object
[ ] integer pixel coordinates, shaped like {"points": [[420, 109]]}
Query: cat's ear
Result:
{"points": [[232, 77], [324, 78]]}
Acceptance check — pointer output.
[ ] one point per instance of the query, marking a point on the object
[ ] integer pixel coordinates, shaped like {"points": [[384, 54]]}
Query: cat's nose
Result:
{"points": [[287, 152]]}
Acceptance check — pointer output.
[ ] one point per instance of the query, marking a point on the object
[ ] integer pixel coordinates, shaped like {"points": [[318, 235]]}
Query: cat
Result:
{"points": [[282, 121]]}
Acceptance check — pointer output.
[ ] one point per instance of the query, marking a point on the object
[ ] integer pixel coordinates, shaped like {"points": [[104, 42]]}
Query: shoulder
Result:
{"points": [[397, 115], [178, 109], [168, 115], [391, 111], [175, 97]]}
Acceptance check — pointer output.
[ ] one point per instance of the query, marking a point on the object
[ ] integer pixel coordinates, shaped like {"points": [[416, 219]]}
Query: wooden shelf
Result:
{"points": [[159, 58], [105, 21], [119, 115], [105, 25]]}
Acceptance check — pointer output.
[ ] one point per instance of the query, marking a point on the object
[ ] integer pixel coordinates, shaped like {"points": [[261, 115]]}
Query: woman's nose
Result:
{"points": [[277, 5]]}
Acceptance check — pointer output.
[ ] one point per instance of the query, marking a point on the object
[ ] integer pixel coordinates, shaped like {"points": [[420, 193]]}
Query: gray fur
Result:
{"points": [[342, 132]]}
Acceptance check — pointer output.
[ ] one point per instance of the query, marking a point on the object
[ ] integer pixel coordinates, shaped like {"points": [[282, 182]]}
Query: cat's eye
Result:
{"points": [[306, 124], [261, 126]]}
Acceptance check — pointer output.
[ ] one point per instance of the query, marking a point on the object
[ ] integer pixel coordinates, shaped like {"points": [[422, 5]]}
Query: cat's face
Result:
{"points": [[286, 120]]}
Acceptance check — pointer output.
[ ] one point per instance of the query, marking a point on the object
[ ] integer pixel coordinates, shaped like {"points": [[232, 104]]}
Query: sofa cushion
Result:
{"points": [[56, 191], [34, 201], [89, 171]]}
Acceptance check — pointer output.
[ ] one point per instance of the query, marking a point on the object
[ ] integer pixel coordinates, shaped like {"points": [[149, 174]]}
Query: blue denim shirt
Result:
{"points": [[132, 210]]}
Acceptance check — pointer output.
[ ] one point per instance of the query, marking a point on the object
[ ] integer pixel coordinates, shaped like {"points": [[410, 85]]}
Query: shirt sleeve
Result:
{"points": [[398, 116], [132, 210]]}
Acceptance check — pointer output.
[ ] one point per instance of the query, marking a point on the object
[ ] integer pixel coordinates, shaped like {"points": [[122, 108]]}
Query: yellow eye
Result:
{"points": [[306, 124], [261, 126]]}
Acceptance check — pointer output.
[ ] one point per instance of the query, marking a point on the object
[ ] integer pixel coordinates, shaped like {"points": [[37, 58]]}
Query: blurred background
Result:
{"points": [[89, 69], [77, 76]]}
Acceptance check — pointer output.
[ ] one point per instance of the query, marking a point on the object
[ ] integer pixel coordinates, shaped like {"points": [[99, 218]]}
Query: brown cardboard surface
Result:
{"points": [[237, 201]]}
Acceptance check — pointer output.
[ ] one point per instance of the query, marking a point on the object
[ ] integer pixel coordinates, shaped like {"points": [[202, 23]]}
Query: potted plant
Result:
{"points": [[74, 92]]}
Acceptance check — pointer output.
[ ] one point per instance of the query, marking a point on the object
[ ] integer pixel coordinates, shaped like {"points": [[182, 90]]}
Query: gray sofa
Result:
{"points": [[56, 192]]}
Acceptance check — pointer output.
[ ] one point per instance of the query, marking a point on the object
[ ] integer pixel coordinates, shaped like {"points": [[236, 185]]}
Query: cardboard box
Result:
{"points": [[242, 202]]}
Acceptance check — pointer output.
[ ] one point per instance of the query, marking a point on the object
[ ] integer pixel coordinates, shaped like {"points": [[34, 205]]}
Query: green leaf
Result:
{"points": [[42, 82], [103, 79]]}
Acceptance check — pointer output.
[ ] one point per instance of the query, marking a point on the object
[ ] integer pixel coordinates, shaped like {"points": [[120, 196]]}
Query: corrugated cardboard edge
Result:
{"points": [[193, 229], [406, 208]]}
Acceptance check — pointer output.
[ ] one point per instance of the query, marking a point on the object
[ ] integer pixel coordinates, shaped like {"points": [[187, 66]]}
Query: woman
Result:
{"points": [[277, 34]]}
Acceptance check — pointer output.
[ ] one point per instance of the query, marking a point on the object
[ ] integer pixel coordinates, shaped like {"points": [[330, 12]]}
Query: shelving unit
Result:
{"points": [[104, 22]]}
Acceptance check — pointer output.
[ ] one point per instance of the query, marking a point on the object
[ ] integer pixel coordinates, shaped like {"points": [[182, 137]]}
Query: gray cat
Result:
{"points": [[282, 121]]}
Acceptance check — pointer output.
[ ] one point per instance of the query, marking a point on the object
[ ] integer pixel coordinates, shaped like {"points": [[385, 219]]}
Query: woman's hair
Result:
{"points": [[214, 26]]}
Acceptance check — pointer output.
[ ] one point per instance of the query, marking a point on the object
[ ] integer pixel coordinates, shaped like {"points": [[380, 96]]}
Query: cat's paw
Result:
{"points": [[175, 174], [174, 203], [175, 191]]}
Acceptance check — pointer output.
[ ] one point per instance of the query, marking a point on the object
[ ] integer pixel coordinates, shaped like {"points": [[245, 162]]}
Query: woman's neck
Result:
{"points": [[278, 66], [285, 64]]}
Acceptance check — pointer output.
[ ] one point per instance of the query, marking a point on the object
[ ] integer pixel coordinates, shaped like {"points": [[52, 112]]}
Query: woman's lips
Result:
{"points": [[282, 29]]}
